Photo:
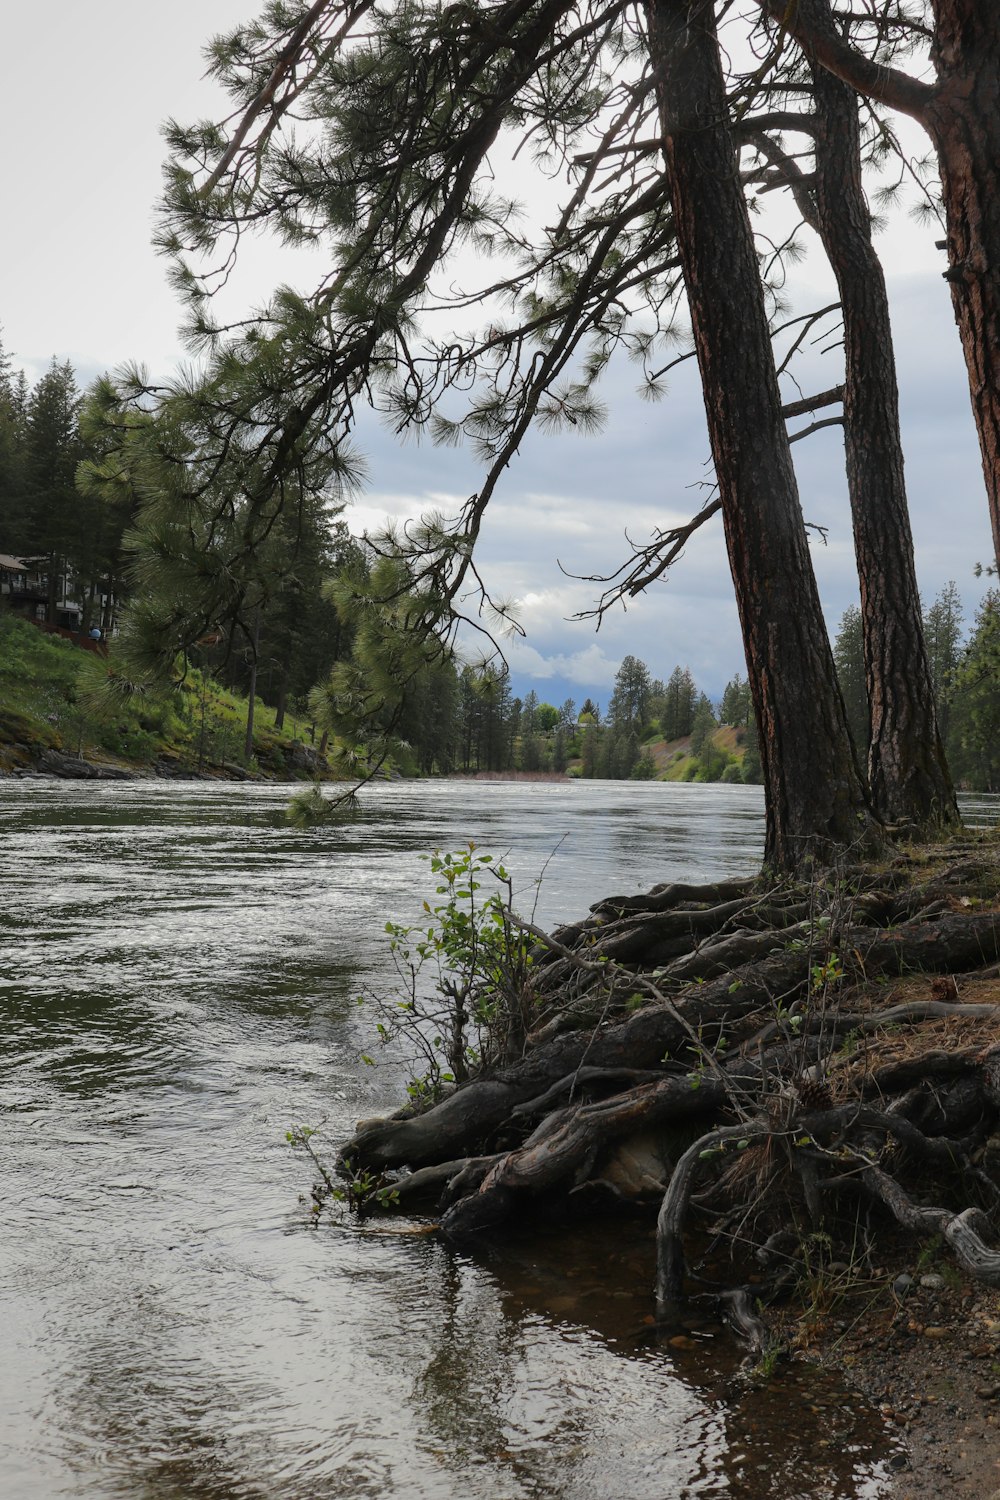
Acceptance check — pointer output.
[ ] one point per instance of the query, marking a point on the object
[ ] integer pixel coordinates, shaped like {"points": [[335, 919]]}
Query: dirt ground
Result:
{"points": [[928, 1356]]}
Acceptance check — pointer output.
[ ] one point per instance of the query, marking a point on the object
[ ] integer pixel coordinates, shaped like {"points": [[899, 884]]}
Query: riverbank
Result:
{"points": [[25, 755], [58, 718], [850, 1037], [921, 1342], [929, 1360]]}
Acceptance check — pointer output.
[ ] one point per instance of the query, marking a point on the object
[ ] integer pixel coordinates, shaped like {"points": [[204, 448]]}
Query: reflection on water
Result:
{"points": [[178, 973]]}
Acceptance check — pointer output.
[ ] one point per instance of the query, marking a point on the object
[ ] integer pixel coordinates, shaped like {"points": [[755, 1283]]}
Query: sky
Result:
{"points": [[81, 281]]}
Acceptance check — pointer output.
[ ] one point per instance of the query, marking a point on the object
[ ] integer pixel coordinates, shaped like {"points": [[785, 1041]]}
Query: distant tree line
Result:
{"points": [[73, 537], [467, 719], [965, 671], [68, 503]]}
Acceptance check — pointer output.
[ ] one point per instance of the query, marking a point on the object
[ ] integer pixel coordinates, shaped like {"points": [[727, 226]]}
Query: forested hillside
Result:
{"points": [[68, 503]]}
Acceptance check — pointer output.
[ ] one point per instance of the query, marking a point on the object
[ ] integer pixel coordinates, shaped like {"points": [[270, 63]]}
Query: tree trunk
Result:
{"points": [[961, 115], [252, 688], [816, 803], [963, 120], [908, 773]]}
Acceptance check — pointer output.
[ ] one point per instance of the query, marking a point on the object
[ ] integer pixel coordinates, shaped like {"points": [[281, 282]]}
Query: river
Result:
{"points": [[179, 976]]}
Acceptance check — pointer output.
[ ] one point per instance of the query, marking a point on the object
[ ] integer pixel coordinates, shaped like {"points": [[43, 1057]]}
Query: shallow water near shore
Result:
{"points": [[178, 982]]}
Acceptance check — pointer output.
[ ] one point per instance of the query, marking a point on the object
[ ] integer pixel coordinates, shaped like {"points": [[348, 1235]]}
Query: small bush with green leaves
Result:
{"points": [[465, 994]]}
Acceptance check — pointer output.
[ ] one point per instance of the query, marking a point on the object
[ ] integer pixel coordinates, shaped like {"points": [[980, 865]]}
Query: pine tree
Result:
{"points": [[629, 706], [849, 656], [391, 166], [12, 423], [974, 738], [957, 108], [590, 751], [735, 706], [703, 726], [943, 628], [53, 521], [678, 713]]}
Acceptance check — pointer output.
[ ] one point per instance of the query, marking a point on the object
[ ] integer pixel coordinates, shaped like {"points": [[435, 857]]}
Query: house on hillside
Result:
{"points": [[24, 589]]}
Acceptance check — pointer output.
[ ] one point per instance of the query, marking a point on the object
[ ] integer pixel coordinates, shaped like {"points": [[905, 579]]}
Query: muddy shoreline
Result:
{"points": [[926, 1354]]}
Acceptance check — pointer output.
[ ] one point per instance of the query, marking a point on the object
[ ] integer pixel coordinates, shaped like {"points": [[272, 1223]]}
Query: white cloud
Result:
{"points": [[588, 668]]}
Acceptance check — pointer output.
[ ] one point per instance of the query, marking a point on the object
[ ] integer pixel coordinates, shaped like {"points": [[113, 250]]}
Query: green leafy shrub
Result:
{"points": [[465, 995]]}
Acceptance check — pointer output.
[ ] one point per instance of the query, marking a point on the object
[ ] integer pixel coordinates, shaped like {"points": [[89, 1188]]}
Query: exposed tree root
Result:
{"points": [[746, 1056]]}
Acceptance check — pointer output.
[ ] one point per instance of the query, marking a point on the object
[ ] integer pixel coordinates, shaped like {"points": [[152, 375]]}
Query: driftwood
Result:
{"points": [[718, 1021]]}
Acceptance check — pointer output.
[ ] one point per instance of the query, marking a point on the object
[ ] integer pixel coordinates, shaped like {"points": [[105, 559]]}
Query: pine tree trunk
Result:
{"points": [[964, 123], [816, 803], [252, 688], [908, 773], [961, 113]]}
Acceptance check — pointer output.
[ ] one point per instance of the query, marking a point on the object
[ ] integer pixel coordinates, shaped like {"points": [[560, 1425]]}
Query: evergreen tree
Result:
{"points": [[391, 166], [735, 706], [974, 738], [678, 711], [12, 424], [644, 768], [496, 698], [531, 753], [703, 727], [619, 752], [957, 108], [52, 524], [469, 706], [629, 706], [428, 723], [849, 656], [943, 626], [752, 773], [590, 751]]}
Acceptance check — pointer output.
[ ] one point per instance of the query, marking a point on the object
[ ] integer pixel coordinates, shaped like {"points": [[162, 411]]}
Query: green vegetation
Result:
{"points": [[463, 1001], [965, 672], [56, 697]]}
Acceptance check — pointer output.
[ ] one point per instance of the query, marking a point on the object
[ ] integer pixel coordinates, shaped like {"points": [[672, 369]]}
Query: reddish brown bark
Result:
{"points": [[961, 113], [816, 803], [907, 770], [963, 121]]}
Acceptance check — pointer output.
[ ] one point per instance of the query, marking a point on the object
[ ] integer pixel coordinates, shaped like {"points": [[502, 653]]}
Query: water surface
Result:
{"points": [[178, 978]]}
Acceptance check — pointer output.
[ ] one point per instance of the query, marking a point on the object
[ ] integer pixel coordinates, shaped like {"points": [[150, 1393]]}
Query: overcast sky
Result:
{"points": [[84, 95]]}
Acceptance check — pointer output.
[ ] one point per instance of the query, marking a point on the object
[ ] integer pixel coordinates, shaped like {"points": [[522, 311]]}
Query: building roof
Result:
{"points": [[15, 564]]}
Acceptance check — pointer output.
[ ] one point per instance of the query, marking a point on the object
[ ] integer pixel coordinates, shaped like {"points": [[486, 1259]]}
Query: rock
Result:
{"points": [[73, 769], [301, 758], [935, 1331], [902, 1285], [238, 773], [932, 1283]]}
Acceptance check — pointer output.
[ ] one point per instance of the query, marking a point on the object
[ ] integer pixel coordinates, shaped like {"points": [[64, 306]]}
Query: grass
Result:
{"points": [[48, 700]]}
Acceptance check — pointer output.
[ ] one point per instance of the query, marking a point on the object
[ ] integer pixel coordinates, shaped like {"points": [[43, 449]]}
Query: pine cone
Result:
{"points": [[814, 1094], [944, 988]]}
